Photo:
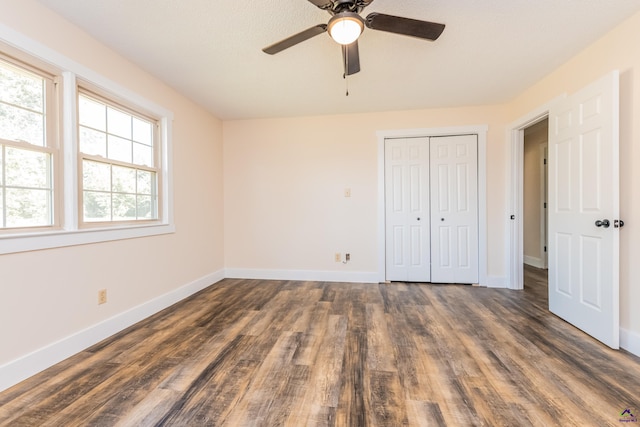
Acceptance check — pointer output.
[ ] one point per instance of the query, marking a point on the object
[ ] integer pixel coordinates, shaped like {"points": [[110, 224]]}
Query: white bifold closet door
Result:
{"points": [[454, 209], [407, 209], [431, 198]]}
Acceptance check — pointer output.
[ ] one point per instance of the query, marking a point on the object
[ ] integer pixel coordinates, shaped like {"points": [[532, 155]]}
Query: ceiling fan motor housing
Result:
{"points": [[340, 6]]}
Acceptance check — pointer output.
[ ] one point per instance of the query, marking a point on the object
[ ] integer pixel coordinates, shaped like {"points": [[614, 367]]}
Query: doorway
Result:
{"points": [[535, 200], [583, 226], [515, 256]]}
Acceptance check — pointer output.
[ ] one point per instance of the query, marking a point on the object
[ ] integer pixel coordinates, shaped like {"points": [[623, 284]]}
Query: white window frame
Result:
{"points": [[87, 90], [51, 135], [70, 233]]}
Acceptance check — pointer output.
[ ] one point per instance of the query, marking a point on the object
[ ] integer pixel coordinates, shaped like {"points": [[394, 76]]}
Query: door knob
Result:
{"points": [[418, 218], [604, 223]]}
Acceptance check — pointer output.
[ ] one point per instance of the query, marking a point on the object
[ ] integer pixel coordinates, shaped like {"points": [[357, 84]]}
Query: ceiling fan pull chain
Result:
{"points": [[346, 83], [346, 74]]}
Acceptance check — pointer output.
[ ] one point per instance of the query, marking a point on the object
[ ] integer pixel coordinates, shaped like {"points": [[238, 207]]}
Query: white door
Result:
{"points": [[454, 209], [583, 199], [407, 209]]}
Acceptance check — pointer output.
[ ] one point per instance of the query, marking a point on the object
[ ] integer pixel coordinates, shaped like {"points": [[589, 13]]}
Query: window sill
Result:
{"points": [[25, 242]]}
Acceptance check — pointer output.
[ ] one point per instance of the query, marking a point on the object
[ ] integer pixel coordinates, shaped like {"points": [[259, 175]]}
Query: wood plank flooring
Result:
{"points": [[277, 353]]}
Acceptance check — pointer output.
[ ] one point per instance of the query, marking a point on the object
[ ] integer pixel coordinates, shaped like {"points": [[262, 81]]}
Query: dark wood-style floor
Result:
{"points": [[271, 353]]}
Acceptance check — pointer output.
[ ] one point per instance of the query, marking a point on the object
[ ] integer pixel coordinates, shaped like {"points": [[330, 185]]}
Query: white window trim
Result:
{"points": [[70, 234]]}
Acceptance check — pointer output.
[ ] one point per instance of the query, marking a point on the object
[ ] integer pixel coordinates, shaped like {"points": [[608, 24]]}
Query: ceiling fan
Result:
{"points": [[346, 25]]}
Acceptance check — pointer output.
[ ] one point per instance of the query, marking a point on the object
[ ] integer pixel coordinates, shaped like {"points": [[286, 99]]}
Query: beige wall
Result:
{"points": [[285, 178], [620, 49], [48, 295], [535, 138]]}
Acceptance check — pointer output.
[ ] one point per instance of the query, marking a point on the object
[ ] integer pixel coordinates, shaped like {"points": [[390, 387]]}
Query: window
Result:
{"points": [[28, 146], [118, 156], [82, 159]]}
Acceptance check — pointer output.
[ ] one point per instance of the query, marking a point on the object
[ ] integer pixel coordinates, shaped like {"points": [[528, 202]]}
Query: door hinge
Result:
{"points": [[545, 249], [544, 161], [545, 205]]}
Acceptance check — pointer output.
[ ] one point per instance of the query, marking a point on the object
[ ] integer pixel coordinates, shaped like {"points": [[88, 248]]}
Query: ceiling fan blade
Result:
{"points": [[351, 58], [295, 39], [405, 26], [322, 4]]}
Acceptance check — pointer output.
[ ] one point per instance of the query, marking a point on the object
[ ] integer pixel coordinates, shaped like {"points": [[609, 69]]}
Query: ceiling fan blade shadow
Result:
{"points": [[351, 58], [404, 26], [295, 39]]}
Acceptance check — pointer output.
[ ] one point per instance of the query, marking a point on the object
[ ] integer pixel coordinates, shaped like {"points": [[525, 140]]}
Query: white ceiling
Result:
{"points": [[210, 50]]}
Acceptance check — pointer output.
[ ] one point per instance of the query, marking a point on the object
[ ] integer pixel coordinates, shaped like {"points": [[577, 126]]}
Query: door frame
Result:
{"points": [[544, 203], [481, 132], [515, 138]]}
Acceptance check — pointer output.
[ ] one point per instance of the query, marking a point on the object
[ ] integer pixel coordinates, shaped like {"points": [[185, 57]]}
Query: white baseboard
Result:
{"points": [[534, 261], [26, 366], [630, 341], [303, 275]]}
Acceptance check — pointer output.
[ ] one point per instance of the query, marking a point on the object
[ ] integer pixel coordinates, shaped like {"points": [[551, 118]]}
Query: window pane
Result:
{"points": [[93, 142], [124, 207], [142, 131], [28, 208], [97, 206], [119, 149], [21, 88], [142, 155], [124, 180], [1, 207], [1, 174], [144, 182], [145, 208], [24, 168], [117, 192], [96, 176], [118, 123], [92, 114], [17, 124]]}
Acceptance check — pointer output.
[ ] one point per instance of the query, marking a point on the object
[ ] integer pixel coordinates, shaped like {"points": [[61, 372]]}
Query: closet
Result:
{"points": [[431, 209]]}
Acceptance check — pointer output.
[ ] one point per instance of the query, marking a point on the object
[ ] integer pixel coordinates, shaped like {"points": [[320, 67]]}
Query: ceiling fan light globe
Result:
{"points": [[346, 27]]}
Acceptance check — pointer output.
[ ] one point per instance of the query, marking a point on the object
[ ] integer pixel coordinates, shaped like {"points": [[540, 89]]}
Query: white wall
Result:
{"points": [[285, 208], [50, 295]]}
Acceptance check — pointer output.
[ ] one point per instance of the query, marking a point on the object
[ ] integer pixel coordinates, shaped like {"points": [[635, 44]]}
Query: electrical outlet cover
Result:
{"points": [[102, 296]]}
